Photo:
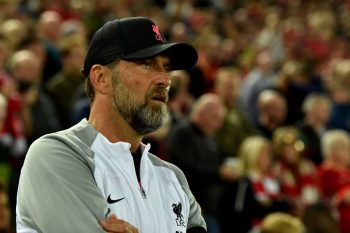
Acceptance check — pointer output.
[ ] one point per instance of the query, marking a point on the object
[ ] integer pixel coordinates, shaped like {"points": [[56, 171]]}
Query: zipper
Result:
{"points": [[142, 191]]}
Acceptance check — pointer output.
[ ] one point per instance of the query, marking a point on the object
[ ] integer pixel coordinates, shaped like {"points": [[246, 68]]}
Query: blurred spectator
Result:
{"points": [[272, 112], [12, 133], [48, 30], [192, 147], [6, 147], [316, 108], [5, 212], [65, 8], [62, 87], [179, 32], [202, 74], [33, 43], [7, 9], [340, 95], [5, 144], [280, 223], [12, 129], [13, 30], [334, 174], [37, 110], [260, 77], [320, 218], [73, 27], [295, 81], [297, 175], [48, 27], [180, 100], [270, 37], [320, 34], [97, 13], [179, 9], [237, 125], [3, 111], [179, 106], [257, 193]]}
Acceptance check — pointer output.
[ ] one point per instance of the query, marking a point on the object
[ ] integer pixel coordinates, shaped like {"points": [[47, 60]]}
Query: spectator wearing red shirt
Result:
{"points": [[334, 174], [297, 175], [257, 193]]}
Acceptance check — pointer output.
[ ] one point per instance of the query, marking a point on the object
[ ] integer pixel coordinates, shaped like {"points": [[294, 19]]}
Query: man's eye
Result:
{"points": [[168, 68], [147, 65]]}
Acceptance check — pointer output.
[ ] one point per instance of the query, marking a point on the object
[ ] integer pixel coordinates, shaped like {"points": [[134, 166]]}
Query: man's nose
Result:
{"points": [[163, 79]]}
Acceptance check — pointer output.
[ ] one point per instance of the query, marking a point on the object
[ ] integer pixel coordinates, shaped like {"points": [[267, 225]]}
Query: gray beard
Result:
{"points": [[142, 117], [145, 120]]}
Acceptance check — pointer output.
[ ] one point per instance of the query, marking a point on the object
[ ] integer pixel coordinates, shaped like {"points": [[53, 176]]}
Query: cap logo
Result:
{"points": [[157, 33]]}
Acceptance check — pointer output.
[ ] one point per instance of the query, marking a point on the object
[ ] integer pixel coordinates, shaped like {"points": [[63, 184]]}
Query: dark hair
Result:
{"points": [[89, 90]]}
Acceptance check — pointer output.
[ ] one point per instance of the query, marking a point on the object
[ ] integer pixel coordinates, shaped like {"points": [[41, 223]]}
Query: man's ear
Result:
{"points": [[100, 77]]}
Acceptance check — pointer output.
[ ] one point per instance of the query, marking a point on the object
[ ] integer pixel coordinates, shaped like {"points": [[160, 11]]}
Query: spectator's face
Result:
{"points": [[263, 61], [276, 111], [75, 59], [264, 159], [140, 92], [51, 28], [342, 153], [290, 154], [4, 211], [27, 70], [212, 117], [322, 112], [228, 88]]}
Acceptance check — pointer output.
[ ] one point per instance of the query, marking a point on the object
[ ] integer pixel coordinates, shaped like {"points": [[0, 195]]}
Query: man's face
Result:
{"points": [[75, 58], [140, 93]]}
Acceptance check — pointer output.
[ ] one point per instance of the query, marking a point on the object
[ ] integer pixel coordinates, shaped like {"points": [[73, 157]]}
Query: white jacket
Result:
{"points": [[74, 178]]}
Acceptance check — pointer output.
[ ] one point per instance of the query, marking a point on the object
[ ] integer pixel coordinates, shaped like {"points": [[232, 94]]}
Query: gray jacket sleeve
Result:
{"points": [[57, 191]]}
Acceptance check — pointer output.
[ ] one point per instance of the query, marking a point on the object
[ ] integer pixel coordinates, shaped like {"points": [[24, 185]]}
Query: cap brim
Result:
{"points": [[182, 56]]}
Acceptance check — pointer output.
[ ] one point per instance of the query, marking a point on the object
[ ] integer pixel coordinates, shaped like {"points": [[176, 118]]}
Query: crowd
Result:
{"points": [[260, 126]]}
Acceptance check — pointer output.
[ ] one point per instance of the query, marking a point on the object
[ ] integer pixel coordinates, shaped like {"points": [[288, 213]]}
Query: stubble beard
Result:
{"points": [[142, 117]]}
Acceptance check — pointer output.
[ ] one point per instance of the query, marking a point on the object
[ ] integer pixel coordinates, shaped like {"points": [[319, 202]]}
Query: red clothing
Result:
{"points": [[266, 188], [300, 183], [335, 184], [12, 134]]}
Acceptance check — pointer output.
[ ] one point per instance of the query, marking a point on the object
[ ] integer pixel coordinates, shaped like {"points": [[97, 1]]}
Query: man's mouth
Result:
{"points": [[160, 98]]}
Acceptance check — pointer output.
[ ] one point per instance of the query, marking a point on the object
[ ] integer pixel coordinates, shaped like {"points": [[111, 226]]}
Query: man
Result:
{"points": [[37, 111], [317, 111], [237, 124], [48, 30], [272, 112], [98, 176], [191, 146], [64, 86]]}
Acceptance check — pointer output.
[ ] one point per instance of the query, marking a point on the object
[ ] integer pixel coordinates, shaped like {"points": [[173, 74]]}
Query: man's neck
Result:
{"points": [[113, 126]]}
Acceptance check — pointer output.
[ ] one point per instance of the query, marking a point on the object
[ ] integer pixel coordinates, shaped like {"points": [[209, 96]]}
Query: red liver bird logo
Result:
{"points": [[157, 33]]}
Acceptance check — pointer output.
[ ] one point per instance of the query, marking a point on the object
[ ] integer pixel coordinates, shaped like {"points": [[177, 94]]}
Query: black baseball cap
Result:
{"points": [[135, 38]]}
